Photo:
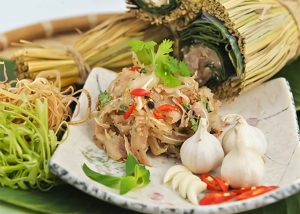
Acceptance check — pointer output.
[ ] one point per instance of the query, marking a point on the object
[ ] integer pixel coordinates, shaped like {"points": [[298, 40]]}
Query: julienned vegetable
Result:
{"points": [[202, 152], [183, 180], [26, 145], [136, 175]]}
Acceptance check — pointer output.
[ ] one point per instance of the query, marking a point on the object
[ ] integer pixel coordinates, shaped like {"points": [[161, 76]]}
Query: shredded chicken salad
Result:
{"points": [[155, 105]]}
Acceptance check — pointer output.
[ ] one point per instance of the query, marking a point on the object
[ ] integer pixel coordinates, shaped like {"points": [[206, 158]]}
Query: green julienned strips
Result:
{"points": [[26, 146], [162, 10], [212, 32]]}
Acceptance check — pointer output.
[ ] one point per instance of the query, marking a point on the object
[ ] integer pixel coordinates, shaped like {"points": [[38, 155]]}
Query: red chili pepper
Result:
{"points": [[168, 107], [255, 192], [217, 197], [223, 184], [158, 115], [212, 184], [140, 92], [135, 68], [129, 111], [179, 100]]}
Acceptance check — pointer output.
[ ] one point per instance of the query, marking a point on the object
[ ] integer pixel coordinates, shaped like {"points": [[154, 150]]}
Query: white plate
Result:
{"points": [[269, 107]]}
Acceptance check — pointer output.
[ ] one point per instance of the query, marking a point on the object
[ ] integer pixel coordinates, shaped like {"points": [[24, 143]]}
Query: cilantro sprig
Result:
{"points": [[136, 175], [166, 67], [104, 98]]}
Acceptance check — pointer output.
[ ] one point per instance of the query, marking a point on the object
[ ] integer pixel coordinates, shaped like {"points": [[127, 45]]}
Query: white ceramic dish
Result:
{"points": [[269, 107]]}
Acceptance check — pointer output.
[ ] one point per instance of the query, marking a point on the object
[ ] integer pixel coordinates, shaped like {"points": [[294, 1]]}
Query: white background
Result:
{"points": [[18, 13]]}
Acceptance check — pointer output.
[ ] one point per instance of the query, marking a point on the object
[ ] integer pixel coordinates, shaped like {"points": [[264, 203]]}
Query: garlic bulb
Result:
{"points": [[202, 152], [242, 166], [254, 138]]}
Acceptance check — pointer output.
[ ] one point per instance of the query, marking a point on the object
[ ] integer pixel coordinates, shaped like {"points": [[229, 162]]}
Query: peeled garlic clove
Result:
{"points": [[178, 178], [183, 186], [194, 189], [173, 171]]}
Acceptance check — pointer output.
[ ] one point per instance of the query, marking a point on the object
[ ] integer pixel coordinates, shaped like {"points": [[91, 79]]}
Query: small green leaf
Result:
{"points": [[127, 183], [143, 50], [104, 98], [184, 70], [163, 50], [130, 164], [107, 180]]}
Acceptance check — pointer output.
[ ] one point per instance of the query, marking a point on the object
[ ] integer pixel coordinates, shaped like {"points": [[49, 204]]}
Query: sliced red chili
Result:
{"points": [[158, 115], [253, 192], [216, 198], [168, 107], [135, 68], [211, 183], [179, 100], [223, 184], [129, 111], [140, 92], [243, 189]]}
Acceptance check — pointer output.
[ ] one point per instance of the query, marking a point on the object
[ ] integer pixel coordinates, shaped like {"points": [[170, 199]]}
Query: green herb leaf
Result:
{"points": [[184, 70], [107, 180], [164, 73], [194, 124], [104, 98], [143, 50], [163, 51], [130, 165], [127, 183]]}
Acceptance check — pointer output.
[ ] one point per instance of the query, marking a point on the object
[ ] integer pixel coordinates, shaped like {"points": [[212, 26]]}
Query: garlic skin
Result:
{"points": [[242, 166], [254, 137], [202, 152]]}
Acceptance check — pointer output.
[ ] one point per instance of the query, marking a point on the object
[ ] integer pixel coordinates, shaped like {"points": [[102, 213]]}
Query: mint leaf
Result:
{"points": [[107, 180], [127, 183], [130, 165]]}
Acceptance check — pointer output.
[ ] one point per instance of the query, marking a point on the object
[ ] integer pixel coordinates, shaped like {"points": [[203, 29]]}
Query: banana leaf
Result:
{"points": [[67, 199]]}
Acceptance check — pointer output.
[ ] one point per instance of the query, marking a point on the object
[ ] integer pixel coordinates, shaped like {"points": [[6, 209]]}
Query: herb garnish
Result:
{"points": [[136, 175], [166, 67], [194, 124], [104, 98]]}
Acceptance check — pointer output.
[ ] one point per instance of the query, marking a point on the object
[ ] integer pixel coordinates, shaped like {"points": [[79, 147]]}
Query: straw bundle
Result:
{"points": [[261, 34], [106, 45]]}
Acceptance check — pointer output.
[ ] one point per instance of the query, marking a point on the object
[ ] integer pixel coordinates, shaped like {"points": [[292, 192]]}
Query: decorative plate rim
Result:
{"points": [[136, 205]]}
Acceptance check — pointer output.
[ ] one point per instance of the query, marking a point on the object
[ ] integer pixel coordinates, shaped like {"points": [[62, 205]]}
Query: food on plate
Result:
{"points": [[154, 105], [180, 12], [242, 166], [252, 136], [136, 176], [202, 152], [232, 45], [214, 183], [188, 185]]}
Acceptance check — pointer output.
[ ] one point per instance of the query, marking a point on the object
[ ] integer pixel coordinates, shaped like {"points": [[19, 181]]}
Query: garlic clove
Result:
{"points": [[183, 186], [173, 171], [194, 189], [178, 178]]}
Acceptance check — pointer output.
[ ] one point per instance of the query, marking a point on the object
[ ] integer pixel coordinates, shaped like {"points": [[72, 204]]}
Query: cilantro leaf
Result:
{"points": [[194, 124], [130, 165], [163, 51], [164, 73], [184, 69], [143, 50], [104, 98], [107, 180], [127, 183]]}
